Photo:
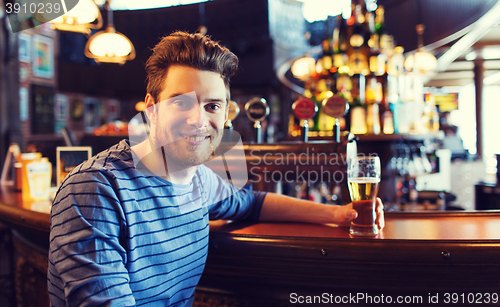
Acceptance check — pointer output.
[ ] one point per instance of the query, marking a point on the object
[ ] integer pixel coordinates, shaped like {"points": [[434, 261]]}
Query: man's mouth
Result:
{"points": [[197, 138]]}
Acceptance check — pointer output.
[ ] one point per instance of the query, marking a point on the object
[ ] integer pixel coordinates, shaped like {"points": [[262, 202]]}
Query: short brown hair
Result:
{"points": [[192, 50]]}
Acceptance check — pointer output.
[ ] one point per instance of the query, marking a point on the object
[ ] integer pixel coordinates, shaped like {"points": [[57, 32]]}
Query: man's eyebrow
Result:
{"points": [[214, 100], [175, 95]]}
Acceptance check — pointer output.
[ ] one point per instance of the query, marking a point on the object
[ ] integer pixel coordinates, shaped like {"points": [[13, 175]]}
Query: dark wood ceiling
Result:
{"points": [[241, 25]]}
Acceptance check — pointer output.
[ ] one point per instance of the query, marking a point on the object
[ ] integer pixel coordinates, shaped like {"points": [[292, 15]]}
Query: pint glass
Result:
{"points": [[363, 177]]}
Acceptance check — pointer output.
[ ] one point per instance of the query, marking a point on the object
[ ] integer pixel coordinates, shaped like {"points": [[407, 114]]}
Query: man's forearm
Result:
{"points": [[280, 208]]}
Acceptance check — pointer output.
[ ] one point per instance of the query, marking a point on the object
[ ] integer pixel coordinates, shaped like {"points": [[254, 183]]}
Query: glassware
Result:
{"points": [[363, 177]]}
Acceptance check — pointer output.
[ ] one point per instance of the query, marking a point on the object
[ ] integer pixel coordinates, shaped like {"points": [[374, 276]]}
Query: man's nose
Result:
{"points": [[196, 117]]}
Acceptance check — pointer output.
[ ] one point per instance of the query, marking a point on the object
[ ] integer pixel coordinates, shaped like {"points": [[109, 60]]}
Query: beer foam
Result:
{"points": [[364, 180]]}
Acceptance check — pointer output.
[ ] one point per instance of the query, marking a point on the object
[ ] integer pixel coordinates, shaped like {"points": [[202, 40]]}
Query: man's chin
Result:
{"points": [[189, 159], [182, 156]]}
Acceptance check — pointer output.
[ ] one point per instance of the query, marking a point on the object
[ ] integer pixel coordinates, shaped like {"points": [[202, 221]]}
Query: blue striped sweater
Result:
{"points": [[119, 238]]}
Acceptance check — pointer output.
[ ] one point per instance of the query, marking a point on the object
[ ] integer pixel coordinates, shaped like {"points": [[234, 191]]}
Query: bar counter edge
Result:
{"points": [[264, 263]]}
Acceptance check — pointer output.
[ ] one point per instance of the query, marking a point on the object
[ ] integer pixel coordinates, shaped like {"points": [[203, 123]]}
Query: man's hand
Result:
{"points": [[280, 208], [343, 215]]}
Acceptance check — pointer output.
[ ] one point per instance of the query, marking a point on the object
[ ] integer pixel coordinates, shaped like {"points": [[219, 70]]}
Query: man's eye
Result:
{"points": [[181, 103], [213, 107]]}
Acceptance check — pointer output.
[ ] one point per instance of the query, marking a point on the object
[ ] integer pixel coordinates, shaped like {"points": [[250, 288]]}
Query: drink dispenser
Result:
{"points": [[304, 109], [257, 110]]}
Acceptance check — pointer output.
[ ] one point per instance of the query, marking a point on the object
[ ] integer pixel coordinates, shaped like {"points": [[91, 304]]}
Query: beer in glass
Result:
{"points": [[363, 177]]}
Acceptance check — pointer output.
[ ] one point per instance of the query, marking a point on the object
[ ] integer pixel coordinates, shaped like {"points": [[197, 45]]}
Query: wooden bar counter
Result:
{"points": [[266, 264], [416, 254]]}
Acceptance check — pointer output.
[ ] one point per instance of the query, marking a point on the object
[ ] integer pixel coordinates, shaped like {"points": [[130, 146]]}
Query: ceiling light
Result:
{"points": [[421, 61], [79, 19], [109, 46], [320, 10]]}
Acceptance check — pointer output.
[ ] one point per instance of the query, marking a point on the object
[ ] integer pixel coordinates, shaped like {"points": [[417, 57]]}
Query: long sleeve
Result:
{"points": [[121, 236], [85, 249]]}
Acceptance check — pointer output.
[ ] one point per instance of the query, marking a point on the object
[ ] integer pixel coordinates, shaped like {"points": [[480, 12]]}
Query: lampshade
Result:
{"points": [[421, 61], [425, 61], [110, 46], [78, 19]]}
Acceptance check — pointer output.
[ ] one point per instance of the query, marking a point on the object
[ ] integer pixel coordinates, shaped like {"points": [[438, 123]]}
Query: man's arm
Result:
{"points": [[281, 208], [86, 258]]}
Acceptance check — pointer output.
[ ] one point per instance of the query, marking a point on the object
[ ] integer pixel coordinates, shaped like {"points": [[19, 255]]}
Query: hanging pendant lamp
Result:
{"points": [[81, 18], [421, 61], [109, 46]]}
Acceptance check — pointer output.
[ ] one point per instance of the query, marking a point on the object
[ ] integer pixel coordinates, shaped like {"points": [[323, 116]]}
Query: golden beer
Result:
{"points": [[363, 191]]}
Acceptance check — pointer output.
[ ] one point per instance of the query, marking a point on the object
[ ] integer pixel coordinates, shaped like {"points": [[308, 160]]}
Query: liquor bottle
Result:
{"points": [[380, 27], [387, 118], [337, 195], [358, 108], [293, 125], [358, 52], [417, 160], [441, 202], [343, 35], [430, 116], [358, 35], [323, 86], [326, 58], [373, 95], [325, 195], [400, 123], [358, 117], [373, 118], [374, 92], [425, 160], [339, 37], [412, 196], [406, 177], [373, 41], [397, 166]]}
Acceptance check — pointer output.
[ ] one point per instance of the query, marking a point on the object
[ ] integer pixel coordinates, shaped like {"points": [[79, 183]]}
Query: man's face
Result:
{"points": [[189, 119]]}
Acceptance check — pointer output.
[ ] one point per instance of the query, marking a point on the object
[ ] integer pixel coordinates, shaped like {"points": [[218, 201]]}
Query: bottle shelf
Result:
{"points": [[327, 135]]}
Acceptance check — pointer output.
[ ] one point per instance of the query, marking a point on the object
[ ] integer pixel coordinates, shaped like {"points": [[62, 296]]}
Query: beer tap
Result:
{"points": [[257, 110], [233, 112], [304, 109], [335, 107]]}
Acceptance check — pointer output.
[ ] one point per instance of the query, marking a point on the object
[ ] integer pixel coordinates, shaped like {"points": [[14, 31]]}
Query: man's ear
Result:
{"points": [[150, 107], [227, 111]]}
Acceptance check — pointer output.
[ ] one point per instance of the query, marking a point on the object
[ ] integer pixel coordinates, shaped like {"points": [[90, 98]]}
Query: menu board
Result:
{"points": [[68, 157], [445, 102]]}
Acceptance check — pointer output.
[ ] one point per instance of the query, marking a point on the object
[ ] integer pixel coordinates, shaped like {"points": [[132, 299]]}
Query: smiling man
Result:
{"points": [[186, 125], [130, 226]]}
